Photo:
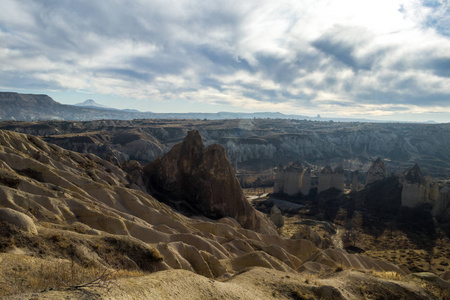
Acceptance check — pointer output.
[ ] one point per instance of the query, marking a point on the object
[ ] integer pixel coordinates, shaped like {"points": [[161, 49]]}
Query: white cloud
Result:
{"points": [[287, 55]]}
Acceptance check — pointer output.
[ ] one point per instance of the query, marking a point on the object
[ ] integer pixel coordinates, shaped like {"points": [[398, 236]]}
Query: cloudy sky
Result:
{"points": [[383, 59]]}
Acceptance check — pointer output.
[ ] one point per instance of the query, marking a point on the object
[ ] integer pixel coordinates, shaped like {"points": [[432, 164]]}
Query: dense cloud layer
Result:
{"points": [[349, 57]]}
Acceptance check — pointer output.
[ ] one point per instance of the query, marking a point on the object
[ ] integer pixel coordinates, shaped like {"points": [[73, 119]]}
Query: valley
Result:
{"points": [[149, 199]]}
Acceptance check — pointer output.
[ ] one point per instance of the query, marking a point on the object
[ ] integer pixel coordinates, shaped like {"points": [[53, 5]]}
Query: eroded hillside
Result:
{"points": [[59, 207], [259, 144]]}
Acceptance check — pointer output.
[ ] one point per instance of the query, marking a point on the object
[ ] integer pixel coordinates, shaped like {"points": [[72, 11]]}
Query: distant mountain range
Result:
{"points": [[33, 107]]}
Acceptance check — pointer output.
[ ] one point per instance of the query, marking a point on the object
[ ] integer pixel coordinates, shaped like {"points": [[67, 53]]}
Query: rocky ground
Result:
{"points": [[76, 226], [410, 248]]}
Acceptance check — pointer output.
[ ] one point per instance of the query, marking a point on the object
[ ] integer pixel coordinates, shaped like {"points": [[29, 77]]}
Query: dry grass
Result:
{"points": [[387, 275], [39, 275], [69, 265], [31, 278], [119, 252]]}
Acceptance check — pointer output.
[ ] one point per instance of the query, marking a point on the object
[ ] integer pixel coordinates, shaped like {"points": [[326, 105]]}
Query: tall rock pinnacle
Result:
{"points": [[203, 177]]}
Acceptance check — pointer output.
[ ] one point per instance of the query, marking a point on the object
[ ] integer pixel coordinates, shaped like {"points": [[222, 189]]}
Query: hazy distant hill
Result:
{"points": [[31, 107]]}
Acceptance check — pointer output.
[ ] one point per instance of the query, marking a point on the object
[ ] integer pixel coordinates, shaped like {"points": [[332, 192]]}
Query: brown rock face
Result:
{"points": [[377, 171], [204, 178], [414, 175]]}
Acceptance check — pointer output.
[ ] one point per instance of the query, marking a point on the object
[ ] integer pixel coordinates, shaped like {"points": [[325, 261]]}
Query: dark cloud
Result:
{"points": [[254, 50], [278, 69], [440, 66], [222, 61], [342, 43], [159, 64], [408, 97], [213, 83], [16, 80], [125, 73]]}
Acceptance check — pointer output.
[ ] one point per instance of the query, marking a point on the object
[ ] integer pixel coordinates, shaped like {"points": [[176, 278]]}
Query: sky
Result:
{"points": [[383, 59]]}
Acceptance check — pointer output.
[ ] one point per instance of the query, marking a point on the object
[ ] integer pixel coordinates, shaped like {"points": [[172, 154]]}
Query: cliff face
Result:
{"points": [[442, 207], [289, 180], [416, 190], [203, 177], [122, 146], [262, 144], [331, 179]]}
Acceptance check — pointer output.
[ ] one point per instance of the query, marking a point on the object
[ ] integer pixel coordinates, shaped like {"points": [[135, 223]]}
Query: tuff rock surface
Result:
{"points": [[204, 178], [377, 171]]}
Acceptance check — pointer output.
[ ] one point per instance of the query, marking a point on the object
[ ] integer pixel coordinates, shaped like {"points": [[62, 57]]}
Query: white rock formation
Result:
{"points": [[331, 179], [289, 180], [306, 183], [416, 189]]}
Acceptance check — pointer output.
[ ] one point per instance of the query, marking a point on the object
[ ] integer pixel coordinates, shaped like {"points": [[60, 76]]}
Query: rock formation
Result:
{"points": [[331, 179], [276, 217], [355, 182], [258, 142], [415, 188], [289, 180], [442, 206], [306, 182], [204, 178], [59, 207], [54, 197], [376, 172], [305, 232], [134, 172], [18, 219]]}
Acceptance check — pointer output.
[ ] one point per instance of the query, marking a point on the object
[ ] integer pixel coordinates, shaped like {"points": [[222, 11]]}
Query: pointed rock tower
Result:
{"points": [[415, 188], [377, 171], [204, 178]]}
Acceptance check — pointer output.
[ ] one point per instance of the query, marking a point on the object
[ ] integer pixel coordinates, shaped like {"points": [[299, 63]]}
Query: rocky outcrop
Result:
{"points": [[84, 213], [340, 258], [116, 147], [289, 180], [442, 206], [329, 178], [377, 171], [306, 182], [265, 142], [415, 187], [18, 219], [204, 178], [82, 202], [355, 181], [276, 217], [305, 232], [134, 172]]}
